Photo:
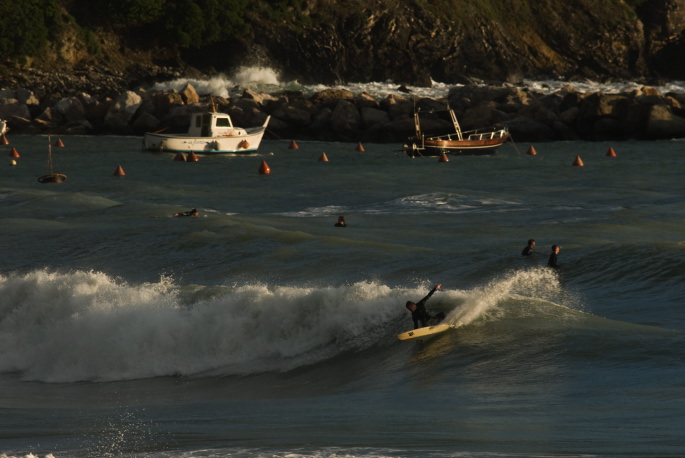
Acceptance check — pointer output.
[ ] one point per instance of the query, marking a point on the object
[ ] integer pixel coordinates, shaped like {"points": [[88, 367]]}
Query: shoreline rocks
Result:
{"points": [[340, 115]]}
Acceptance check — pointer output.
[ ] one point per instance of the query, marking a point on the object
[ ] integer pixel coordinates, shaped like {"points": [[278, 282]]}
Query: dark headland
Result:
{"points": [[89, 67]]}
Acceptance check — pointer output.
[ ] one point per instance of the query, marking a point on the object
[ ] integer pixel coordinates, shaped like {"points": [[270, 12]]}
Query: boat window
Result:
{"points": [[222, 122], [206, 119], [198, 121]]}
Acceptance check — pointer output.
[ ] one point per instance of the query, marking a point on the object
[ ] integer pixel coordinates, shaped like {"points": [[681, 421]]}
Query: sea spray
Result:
{"points": [[258, 78], [64, 327], [485, 301]]}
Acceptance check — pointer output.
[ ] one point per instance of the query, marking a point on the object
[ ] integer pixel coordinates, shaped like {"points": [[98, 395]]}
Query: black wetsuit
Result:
{"points": [[527, 251], [552, 262], [422, 315]]}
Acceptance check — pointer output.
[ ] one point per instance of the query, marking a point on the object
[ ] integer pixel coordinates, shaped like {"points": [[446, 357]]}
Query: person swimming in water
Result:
{"points": [[192, 212], [552, 261], [528, 249], [419, 314]]}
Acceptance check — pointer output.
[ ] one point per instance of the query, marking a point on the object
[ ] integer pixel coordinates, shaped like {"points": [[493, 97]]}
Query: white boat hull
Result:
{"points": [[183, 143]]}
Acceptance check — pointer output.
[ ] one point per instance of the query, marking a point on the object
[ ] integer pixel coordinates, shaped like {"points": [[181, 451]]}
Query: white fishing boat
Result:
{"points": [[209, 132]]}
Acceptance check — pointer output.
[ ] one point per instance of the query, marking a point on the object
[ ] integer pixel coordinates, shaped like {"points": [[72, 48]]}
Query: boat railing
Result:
{"points": [[488, 135], [476, 135]]}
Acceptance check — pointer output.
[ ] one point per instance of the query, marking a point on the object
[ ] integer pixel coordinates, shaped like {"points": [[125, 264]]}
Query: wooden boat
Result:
{"points": [[209, 132], [473, 142], [51, 177]]}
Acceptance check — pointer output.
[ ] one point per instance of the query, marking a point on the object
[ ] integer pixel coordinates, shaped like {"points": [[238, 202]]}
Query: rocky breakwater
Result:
{"points": [[340, 115]]}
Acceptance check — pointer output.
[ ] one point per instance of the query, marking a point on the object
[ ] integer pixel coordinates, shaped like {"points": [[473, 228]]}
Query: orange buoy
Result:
{"points": [[59, 143], [531, 151], [14, 152], [360, 148], [443, 157], [180, 157], [264, 168], [293, 145], [3, 140], [611, 152], [192, 157], [119, 172], [578, 162], [323, 158], [244, 144]]}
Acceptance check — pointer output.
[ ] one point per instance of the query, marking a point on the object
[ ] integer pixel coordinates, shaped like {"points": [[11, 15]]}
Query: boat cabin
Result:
{"points": [[212, 125]]}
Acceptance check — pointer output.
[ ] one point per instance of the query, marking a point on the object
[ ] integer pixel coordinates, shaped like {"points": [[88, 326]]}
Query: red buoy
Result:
{"points": [[264, 168], [443, 157], [119, 172], [323, 158], [180, 157], [59, 143], [192, 157], [14, 152], [360, 148], [244, 144], [611, 152], [293, 145], [531, 151], [3, 140], [578, 162]]}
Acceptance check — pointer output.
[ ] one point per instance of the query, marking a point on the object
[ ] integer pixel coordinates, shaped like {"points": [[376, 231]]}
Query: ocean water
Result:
{"points": [[258, 329]]}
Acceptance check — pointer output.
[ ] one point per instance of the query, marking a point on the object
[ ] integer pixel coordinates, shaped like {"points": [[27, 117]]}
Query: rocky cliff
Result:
{"points": [[405, 41], [70, 88]]}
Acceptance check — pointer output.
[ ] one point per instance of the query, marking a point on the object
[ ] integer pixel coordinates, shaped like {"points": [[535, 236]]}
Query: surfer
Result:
{"points": [[420, 314], [552, 261], [528, 250], [341, 222], [192, 212]]}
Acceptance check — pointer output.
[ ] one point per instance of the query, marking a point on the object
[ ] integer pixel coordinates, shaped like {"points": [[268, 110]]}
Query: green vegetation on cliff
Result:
{"points": [[26, 27], [407, 41]]}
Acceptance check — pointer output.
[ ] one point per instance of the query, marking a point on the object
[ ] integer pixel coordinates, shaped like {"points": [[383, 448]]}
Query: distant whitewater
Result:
{"points": [[269, 80]]}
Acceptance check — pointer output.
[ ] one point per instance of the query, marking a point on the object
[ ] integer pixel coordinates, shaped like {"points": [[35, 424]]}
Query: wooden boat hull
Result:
{"points": [[53, 178], [471, 142], [435, 147], [183, 143]]}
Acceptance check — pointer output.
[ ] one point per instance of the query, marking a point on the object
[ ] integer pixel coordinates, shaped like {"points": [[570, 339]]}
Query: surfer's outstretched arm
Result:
{"points": [[423, 301]]}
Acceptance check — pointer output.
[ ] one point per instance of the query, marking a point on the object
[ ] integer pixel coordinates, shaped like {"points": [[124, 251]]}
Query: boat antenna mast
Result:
{"points": [[455, 122], [417, 122], [49, 155]]}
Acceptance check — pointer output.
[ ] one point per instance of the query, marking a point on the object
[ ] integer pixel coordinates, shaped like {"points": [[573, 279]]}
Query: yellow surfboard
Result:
{"points": [[428, 331]]}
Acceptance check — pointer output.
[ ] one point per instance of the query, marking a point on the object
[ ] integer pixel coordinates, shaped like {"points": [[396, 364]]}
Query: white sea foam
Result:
{"points": [[416, 204], [65, 327], [486, 301], [266, 79]]}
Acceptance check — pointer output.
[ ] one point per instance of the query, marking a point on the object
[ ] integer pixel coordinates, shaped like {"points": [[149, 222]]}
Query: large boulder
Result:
{"points": [[189, 95], [663, 123], [70, 110], [346, 118], [14, 109], [124, 107], [293, 115], [373, 116]]}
